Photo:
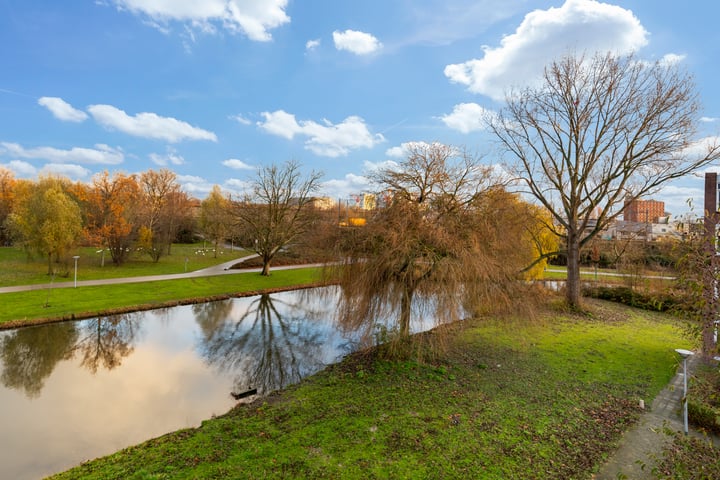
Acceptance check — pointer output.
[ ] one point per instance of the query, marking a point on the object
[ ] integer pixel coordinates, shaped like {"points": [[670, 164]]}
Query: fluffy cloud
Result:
{"points": [[171, 157], [194, 185], [66, 170], [20, 168], [254, 18], [100, 155], [62, 110], [467, 117], [577, 26], [326, 139], [344, 187], [311, 45], [148, 125], [237, 164], [359, 43]]}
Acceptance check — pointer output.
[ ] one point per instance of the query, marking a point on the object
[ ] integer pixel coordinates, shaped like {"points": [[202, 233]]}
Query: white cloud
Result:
{"points": [[359, 43], [241, 119], [344, 187], [708, 119], [326, 139], [467, 117], [237, 164], [100, 155], [20, 168], [700, 147], [69, 170], [171, 157], [672, 59], [395, 152], [237, 186], [582, 26], [254, 18], [311, 45], [402, 151], [62, 110], [148, 125], [194, 185]]}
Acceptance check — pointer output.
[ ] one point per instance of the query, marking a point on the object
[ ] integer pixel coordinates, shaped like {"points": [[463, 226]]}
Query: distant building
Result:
{"points": [[644, 211]]}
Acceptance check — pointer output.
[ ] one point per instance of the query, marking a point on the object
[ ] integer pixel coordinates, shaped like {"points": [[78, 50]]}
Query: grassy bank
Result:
{"points": [[511, 398], [66, 303]]}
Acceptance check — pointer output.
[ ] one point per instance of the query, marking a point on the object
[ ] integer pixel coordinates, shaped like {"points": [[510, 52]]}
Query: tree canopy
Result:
{"points": [[596, 132], [439, 237]]}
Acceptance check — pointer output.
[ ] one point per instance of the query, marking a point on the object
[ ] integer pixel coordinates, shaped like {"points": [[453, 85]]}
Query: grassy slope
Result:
{"points": [[510, 399]]}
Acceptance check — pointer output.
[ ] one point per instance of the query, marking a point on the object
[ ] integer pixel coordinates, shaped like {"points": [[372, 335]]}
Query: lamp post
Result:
{"points": [[76, 259], [684, 354]]}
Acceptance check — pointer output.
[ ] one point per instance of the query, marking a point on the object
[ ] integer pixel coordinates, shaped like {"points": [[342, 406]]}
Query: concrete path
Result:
{"points": [[643, 444], [221, 269]]}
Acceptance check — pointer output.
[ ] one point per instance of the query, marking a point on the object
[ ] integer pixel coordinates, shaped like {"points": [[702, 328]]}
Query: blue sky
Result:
{"points": [[213, 89]]}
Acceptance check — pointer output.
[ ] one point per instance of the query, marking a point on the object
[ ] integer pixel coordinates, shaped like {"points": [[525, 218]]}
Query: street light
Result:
{"points": [[76, 259], [684, 354]]}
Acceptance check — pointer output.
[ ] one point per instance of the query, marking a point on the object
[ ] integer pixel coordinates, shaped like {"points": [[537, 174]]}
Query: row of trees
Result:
{"points": [[117, 212]]}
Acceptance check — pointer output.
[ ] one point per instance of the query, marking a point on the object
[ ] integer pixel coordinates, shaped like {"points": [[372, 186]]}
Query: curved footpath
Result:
{"points": [[641, 447], [221, 269], [639, 450]]}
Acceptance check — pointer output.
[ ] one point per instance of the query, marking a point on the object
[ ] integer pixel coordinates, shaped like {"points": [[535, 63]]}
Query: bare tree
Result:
{"points": [[441, 240], [599, 131], [278, 209]]}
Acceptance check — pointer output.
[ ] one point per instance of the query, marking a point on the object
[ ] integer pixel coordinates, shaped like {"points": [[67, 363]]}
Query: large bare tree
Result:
{"points": [[277, 210], [596, 132], [440, 238]]}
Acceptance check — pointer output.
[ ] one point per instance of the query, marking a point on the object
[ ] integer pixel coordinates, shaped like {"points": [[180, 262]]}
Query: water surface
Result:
{"points": [[74, 391]]}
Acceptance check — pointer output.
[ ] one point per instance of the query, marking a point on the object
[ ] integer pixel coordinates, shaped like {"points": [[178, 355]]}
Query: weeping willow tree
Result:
{"points": [[445, 235]]}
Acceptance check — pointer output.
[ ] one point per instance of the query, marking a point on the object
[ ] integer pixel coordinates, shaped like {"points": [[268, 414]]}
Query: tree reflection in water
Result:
{"points": [[272, 344], [29, 355], [106, 341]]}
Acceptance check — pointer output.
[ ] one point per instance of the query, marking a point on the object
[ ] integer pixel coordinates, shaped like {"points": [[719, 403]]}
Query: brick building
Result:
{"points": [[644, 211]]}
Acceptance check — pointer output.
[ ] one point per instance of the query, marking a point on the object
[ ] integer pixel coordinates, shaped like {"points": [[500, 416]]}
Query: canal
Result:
{"points": [[73, 391]]}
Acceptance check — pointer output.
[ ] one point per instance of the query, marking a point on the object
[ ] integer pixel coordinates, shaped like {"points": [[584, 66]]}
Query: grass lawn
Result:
{"points": [[17, 268], [81, 302], [511, 398]]}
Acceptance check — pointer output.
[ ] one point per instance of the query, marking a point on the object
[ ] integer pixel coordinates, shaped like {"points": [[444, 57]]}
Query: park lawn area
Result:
{"points": [[65, 303], [17, 268], [537, 398]]}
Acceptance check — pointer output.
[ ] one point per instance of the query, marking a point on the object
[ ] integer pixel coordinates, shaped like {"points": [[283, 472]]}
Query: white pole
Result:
{"points": [[685, 399], [76, 259], [685, 354]]}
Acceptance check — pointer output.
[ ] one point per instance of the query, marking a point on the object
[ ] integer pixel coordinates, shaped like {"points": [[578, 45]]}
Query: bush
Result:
{"points": [[703, 416], [660, 302]]}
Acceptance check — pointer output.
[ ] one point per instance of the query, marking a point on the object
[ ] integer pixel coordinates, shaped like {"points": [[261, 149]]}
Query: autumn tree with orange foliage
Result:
{"points": [[111, 211]]}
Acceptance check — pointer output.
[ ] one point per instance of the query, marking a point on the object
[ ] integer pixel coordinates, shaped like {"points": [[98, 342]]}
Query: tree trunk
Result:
{"points": [[266, 267], [405, 309], [572, 286]]}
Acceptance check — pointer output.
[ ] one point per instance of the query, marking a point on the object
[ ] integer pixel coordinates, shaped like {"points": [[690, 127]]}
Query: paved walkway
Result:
{"points": [[221, 269], [643, 444]]}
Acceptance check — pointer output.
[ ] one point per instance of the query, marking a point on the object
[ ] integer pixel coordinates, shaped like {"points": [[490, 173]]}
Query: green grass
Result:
{"points": [[20, 307], [510, 398], [18, 268]]}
